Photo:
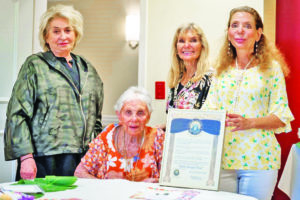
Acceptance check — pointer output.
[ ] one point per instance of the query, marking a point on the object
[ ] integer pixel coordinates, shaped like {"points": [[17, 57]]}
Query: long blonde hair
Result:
{"points": [[266, 51], [177, 65]]}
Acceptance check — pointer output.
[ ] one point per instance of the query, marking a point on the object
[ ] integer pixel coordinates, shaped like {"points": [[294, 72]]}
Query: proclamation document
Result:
{"points": [[193, 149]]}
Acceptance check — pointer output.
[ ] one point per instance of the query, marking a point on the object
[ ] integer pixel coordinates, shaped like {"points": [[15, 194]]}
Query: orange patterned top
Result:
{"points": [[103, 158]]}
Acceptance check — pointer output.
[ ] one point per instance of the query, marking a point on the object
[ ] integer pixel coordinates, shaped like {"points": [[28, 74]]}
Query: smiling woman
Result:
{"points": [[127, 150], [61, 37], [189, 79], [133, 116], [250, 86], [189, 48], [50, 118], [242, 32]]}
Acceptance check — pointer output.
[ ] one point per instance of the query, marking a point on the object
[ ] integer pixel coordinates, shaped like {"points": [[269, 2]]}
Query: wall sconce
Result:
{"points": [[132, 30]]}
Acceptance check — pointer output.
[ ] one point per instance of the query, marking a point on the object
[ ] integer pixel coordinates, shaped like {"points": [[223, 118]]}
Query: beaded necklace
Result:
{"points": [[135, 158], [239, 79]]}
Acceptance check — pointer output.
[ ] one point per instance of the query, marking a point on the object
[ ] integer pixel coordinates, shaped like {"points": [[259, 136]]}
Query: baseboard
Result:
{"points": [[4, 100], [108, 119]]}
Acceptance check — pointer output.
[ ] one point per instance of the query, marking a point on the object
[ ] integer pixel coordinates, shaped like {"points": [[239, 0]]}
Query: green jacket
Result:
{"points": [[46, 114]]}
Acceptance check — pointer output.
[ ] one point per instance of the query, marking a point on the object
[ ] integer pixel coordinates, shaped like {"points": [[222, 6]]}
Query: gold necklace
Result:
{"points": [[239, 79], [135, 158]]}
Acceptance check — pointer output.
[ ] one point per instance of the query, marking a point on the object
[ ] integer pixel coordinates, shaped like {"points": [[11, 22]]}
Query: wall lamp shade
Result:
{"points": [[132, 30]]}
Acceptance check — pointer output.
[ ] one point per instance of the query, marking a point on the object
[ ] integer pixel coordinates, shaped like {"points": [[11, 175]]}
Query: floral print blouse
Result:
{"points": [[103, 157], [191, 96], [259, 94]]}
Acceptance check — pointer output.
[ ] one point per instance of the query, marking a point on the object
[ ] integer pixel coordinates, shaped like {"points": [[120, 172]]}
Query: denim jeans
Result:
{"points": [[256, 183]]}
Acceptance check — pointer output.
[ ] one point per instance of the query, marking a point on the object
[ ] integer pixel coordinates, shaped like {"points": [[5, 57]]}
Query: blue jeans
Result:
{"points": [[256, 183]]}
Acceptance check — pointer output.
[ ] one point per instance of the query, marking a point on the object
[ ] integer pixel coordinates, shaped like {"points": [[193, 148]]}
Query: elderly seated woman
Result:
{"points": [[127, 150]]}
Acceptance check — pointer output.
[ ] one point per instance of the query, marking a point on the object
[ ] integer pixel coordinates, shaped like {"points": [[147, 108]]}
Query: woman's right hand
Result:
{"points": [[28, 168]]}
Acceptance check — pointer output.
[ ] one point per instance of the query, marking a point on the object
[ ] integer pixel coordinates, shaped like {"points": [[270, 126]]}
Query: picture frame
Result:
{"points": [[193, 149]]}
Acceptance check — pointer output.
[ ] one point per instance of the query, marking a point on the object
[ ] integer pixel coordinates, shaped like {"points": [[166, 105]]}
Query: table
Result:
{"points": [[118, 189], [289, 182]]}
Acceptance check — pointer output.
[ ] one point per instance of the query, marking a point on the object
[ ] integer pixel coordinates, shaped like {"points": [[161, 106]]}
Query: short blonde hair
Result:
{"points": [[177, 65], [73, 16]]}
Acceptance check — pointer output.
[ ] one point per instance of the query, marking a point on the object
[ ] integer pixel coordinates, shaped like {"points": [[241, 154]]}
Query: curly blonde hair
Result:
{"points": [[266, 51], [73, 16], [177, 64]]}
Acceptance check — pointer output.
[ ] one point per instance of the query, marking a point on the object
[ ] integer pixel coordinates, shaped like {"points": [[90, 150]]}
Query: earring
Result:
{"points": [[229, 49], [256, 49]]}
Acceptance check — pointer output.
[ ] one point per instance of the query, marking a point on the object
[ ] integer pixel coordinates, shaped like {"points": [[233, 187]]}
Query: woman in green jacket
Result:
{"points": [[56, 103]]}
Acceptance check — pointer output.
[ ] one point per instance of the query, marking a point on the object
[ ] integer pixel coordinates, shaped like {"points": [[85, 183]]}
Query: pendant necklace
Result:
{"points": [[239, 79], [136, 158]]}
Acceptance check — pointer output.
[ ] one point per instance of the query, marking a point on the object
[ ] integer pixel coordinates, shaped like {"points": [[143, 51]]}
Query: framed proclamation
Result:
{"points": [[193, 149]]}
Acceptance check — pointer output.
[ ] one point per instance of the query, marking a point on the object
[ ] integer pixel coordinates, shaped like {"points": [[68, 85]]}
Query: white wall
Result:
{"points": [[160, 20], [16, 43], [9, 20]]}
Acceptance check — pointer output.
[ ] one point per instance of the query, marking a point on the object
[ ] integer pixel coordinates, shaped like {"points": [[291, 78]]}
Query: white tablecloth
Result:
{"points": [[289, 182], [116, 189]]}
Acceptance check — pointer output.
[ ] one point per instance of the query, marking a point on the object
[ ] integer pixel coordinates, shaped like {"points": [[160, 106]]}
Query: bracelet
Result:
{"points": [[26, 158]]}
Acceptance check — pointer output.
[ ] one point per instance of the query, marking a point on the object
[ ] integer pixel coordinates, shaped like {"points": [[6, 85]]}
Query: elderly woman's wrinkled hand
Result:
{"points": [[138, 175], [114, 175]]}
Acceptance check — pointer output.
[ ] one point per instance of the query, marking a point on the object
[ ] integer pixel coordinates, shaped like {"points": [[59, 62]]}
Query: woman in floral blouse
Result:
{"points": [[250, 86], [189, 79], [127, 150]]}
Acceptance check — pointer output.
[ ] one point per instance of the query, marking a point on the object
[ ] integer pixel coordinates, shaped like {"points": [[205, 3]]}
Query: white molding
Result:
{"points": [[14, 165], [16, 36], [142, 67], [39, 7], [4, 100], [108, 119]]}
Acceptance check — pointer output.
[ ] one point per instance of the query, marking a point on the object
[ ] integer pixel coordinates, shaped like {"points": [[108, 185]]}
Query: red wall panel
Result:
{"points": [[288, 41]]}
